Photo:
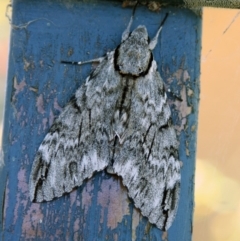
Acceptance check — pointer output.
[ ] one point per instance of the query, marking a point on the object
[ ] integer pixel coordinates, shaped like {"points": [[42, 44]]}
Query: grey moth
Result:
{"points": [[118, 120]]}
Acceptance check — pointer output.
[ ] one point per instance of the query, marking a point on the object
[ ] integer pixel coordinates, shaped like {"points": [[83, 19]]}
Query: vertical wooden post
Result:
{"points": [[45, 32]]}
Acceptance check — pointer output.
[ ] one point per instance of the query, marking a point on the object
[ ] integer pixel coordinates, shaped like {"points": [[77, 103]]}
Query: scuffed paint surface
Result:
{"points": [[39, 86], [32, 220], [87, 197], [17, 88], [22, 191], [184, 109], [113, 197], [5, 201], [165, 236], [28, 64], [135, 221], [56, 105], [115, 237], [33, 214], [40, 104], [181, 106]]}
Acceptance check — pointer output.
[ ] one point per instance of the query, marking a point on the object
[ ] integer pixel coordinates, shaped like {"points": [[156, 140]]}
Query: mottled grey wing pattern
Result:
{"points": [[118, 119], [77, 143], [147, 159]]}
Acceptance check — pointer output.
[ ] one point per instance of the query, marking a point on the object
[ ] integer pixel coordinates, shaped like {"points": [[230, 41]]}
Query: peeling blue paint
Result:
{"points": [[50, 31]]}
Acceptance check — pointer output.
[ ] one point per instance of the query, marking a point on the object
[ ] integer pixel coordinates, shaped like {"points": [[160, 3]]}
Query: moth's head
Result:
{"points": [[133, 56], [139, 34]]}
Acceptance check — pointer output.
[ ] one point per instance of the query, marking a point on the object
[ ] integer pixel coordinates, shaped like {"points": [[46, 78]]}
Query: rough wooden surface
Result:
{"points": [[186, 3], [45, 32]]}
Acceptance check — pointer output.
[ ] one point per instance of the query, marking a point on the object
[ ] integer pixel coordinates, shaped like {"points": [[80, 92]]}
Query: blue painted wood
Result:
{"points": [[45, 32]]}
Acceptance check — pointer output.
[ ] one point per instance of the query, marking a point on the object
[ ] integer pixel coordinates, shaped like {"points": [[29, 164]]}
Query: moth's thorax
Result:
{"points": [[133, 56]]}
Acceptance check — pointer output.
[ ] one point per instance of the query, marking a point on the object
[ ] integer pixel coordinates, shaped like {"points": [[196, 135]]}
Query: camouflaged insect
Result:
{"points": [[118, 119]]}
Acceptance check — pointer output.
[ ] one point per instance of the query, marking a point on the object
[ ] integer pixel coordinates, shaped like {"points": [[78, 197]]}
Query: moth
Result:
{"points": [[118, 120]]}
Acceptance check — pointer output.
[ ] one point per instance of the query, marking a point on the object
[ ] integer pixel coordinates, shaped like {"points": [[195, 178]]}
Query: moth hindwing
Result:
{"points": [[118, 119]]}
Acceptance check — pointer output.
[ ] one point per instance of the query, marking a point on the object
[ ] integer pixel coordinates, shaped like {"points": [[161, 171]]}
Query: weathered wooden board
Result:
{"points": [[45, 32]]}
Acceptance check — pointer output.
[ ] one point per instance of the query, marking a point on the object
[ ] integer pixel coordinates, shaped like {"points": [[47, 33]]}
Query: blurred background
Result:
{"points": [[217, 190]]}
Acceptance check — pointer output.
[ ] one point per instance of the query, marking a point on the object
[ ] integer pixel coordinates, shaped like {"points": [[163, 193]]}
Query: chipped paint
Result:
{"points": [[186, 75], [32, 221], [113, 197], [70, 52], [51, 118], [33, 215], [40, 104], [147, 228], [87, 196], [73, 197], [6, 199], [190, 92], [1, 157], [194, 128], [44, 122], [183, 109], [76, 225], [187, 148], [19, 113], [27, 65], [165, 236], [56, 105], [17, 88], [135, 221], [22, 190], [76, 235], [35, 65]]}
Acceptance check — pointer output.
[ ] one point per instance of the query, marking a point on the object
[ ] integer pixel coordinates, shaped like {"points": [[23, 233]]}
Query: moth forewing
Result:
{"points": [[118, 119]]}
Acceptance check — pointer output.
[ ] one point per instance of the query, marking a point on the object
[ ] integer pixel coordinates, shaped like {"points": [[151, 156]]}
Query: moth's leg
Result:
{"points": [[98, 60], [127, 30], [174, 95], [154, 41]]}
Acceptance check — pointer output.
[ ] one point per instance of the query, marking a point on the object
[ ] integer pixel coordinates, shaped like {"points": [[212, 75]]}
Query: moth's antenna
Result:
{"points": [[127, 30], [154, 41], [98, 60]]}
